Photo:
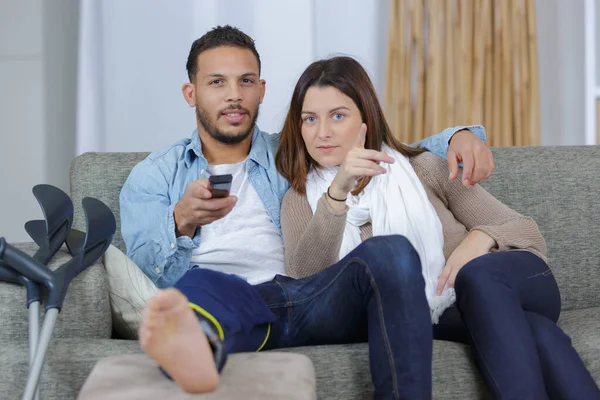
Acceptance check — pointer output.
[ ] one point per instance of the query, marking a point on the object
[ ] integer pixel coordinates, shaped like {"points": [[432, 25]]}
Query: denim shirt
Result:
{"points": [[156, 185]]}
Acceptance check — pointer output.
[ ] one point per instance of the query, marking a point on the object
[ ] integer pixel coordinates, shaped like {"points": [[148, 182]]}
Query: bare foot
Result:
{"points": [[171, 334]]}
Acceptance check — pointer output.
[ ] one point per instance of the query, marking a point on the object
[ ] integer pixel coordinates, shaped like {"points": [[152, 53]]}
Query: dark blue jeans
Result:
{"points": [[376, 294], [510, 303]]}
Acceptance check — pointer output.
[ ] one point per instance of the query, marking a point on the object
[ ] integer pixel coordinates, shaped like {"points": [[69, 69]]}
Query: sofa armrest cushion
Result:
{"points": [[129, 290], [85, 312]]}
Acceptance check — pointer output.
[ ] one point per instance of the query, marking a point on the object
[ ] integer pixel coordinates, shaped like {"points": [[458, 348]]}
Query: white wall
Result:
{"points": [[560, 31], [37, 77], [21, 114], [142, 68], [60, 28], [143, 112]]}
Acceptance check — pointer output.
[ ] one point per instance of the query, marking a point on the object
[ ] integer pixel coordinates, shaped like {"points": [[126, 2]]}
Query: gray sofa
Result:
{"points": [[559, 187]]}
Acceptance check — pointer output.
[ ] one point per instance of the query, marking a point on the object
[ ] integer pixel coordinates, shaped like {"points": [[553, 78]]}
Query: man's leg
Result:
{"points": [[492, 293], [172, 336], [231, 305], [172, 332], [376, 293]]}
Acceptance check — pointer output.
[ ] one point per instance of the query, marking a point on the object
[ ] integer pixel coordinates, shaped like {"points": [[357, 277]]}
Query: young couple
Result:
{"points": [[374, 240]]}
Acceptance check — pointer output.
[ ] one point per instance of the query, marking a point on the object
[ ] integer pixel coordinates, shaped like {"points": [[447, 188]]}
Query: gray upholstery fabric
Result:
{"points": [[101, 175], [251, 376], [342, 371], [85, 313], [68, 364], [583, 326], [558, 187]]}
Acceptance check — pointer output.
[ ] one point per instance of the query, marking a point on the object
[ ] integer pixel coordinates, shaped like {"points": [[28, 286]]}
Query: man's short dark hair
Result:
{"points": [[218, 37]]}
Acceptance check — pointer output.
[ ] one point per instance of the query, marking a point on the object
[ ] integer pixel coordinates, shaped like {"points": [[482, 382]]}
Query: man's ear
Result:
{"points": [[189, 93], [263, 88]]}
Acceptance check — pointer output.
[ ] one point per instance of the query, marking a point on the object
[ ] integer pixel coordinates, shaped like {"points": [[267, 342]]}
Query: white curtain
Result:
{"points": [[132, 57]]}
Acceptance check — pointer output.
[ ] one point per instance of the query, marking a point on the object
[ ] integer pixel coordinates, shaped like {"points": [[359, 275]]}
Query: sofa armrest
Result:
{"points": [[86, 310]]}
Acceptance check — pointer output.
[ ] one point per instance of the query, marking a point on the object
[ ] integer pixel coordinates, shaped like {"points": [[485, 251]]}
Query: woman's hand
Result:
{"points": [[357, 163], [477, 243]]}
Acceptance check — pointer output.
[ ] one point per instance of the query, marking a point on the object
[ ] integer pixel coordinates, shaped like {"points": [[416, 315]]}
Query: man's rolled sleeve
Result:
{"points": [[438, 144]]}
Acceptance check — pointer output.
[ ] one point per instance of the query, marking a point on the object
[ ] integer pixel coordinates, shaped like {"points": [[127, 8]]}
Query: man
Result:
{"points": [[172, 226]]}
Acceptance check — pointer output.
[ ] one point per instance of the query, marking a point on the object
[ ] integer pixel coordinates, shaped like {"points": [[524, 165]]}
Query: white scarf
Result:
{"points": [[396, 204]]}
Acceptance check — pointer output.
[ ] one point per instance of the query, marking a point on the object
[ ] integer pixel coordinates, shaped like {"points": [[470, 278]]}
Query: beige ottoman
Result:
{"points": [[264, 376]]}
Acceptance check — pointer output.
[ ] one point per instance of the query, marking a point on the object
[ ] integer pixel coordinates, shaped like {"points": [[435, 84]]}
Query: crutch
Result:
{"points": [[86, 249], [49, 234]]}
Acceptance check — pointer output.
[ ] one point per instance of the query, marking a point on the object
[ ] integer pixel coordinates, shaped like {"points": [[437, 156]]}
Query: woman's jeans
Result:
{"points": [[510, 303]]}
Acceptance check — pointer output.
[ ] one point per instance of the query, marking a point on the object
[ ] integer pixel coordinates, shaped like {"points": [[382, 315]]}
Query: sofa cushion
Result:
{"points": [[558, 187], [583, 326], [101, 175], [129, 290], [259, 376], [85, 312], [342, 371], [68, 364]]}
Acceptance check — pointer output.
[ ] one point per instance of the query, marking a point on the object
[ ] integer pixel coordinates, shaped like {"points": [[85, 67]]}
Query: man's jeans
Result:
{"points": [[375, 293]]}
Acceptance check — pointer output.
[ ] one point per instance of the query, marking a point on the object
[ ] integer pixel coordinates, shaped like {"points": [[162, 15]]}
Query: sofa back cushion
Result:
{"points": [[101, 175], [557, 186]]}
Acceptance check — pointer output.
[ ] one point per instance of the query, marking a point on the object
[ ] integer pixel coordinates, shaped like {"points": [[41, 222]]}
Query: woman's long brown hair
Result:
{"points": [[349, 77]]}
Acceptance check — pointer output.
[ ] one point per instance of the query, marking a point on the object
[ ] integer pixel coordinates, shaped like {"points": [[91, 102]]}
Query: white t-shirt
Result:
{"points": [[245, 242]]}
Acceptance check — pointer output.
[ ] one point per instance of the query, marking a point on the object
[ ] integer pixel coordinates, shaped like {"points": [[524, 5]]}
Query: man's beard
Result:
{"points": [[220, 136]]}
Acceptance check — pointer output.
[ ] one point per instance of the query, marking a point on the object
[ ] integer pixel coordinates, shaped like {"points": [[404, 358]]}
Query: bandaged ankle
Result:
{"points": [[214, 333]]}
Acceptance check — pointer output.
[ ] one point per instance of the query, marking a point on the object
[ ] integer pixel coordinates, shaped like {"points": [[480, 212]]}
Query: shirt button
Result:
{"points": [[157, 270], [201, 172], [172, 245]]}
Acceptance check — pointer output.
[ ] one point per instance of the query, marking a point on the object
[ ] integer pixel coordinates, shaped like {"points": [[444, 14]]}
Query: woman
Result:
{"points": [[352, 180]]}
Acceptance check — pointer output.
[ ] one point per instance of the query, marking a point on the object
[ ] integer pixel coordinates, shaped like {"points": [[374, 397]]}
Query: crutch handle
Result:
{"points": [[33, 290], [62, 278], [9, 275], [25, 265]]}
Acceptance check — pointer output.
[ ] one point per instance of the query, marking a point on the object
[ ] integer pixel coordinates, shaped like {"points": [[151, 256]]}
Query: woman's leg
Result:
{"points": [[494, 293], [565, 375], [451, 327], [376, 292]]}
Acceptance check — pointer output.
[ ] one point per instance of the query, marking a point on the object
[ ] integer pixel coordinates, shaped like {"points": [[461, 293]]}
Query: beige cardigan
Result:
{"points": [[312, 242]]}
